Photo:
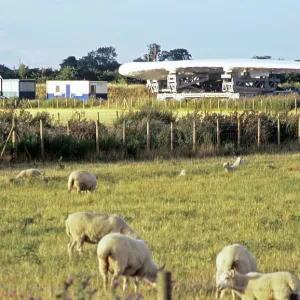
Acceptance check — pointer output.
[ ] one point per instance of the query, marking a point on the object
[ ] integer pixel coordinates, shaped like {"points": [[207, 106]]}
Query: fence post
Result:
{"points": [[164, 286], [38, 103], [258, 131], [218, 132], [253, 103], [79, 116], [124, 134], [58, 117], [56, 102], [299, 129], [14, 136], [83, 104], [194, 135], [42, 139], [97, 138], [239, 132], [278, 130], [68, 128], [148, 135], [98, 116], [296, 108], [172, 137]]}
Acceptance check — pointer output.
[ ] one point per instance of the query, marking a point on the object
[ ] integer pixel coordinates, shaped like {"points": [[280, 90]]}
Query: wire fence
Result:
{"points": [[199, 135]]}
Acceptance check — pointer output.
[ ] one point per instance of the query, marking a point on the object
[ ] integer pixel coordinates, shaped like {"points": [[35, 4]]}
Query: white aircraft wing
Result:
{"points": [[160, 70]]}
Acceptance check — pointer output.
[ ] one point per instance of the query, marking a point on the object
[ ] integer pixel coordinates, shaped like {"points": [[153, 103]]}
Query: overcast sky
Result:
{"points": [[41, 33]]}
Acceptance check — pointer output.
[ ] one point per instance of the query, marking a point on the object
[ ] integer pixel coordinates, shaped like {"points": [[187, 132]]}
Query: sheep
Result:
{"points": [[229, 168], [28, 173], [82, 180], [234, 257], [182, 173], [124, 256], [258, 286], [92, 227]]}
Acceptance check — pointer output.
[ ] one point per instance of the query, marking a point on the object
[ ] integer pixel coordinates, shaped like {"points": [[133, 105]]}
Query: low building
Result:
{"points": [[18, 88], [76, 89]]}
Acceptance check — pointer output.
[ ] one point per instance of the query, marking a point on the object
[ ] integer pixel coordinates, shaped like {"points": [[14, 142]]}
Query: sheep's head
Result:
{"points": [[226, 164], [226, 280], [153, 275], [241, 160]]}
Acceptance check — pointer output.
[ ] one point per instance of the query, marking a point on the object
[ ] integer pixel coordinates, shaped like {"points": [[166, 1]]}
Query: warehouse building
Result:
{"points": [[77, 89], [18, 88]]}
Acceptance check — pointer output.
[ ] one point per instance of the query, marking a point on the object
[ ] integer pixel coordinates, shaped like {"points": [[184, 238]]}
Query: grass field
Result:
{"points": [[186, 220]]}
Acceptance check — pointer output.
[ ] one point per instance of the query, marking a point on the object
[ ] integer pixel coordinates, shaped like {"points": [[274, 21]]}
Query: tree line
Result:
{"points": [[99, 64], [102, 64]]}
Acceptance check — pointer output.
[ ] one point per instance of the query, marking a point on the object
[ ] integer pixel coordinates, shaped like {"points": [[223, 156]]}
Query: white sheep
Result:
{"points": [[28, 173], [124, 256], [257, 286], [92, 227], [82, 180], [229, 168], [234, 257]]}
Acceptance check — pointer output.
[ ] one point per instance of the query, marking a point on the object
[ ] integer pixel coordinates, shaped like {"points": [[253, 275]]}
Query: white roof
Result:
{"points": [[160, 70]]}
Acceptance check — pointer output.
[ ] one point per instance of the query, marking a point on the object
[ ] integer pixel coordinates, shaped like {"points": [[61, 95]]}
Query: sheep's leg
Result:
{"points": [[80, 246], [136, 284], [125, 283], [70, 248]]}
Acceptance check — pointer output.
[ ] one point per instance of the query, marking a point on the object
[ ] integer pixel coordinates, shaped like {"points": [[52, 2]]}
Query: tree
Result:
{"points": [[95, 63], [67, 73], [175, 54], [70, 61], [23, 71]]}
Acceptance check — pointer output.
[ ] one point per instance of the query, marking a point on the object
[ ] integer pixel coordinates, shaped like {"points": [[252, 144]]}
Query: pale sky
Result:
{"points": [[41, 33]]}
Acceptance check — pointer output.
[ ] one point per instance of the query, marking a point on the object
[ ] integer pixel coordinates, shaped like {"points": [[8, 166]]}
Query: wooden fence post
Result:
{"points": [[164, 286], [194, 135], [68, 128], [253, 104], [14, 135], [98, 116], [97, 139], [278, 130], [299, 129], [172, 137], [42, 139], [58, 117], [296, 108], [148, 135], [258, 131], [66, 102], [56, 102], [124, 135], [218, 133], [239, 132]]}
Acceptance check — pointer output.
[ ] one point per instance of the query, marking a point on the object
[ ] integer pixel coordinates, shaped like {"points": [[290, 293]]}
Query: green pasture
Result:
{"points": [[186, 220]]}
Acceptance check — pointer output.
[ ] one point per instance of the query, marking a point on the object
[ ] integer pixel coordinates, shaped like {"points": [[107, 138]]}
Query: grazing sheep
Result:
{"points": [[124, 256], [240, 161], [82, 180], [28, 173], [235, 166], [234, 257], [182, 173], [257, 286], [92, 227]]}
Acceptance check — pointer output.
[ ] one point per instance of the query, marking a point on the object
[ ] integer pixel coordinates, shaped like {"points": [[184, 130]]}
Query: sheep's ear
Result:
{"points": [[161, 267], [231, 273]]}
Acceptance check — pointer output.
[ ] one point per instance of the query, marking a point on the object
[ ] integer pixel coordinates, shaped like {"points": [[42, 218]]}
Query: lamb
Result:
{"points": [[82, 180], [234, 257], [28, 173], [229, 168], [257, 286], [124, 256], [92, 227]]}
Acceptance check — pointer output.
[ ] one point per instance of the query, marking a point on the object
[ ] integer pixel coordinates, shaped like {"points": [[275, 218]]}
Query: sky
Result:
{"points": [[41, 33]]}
